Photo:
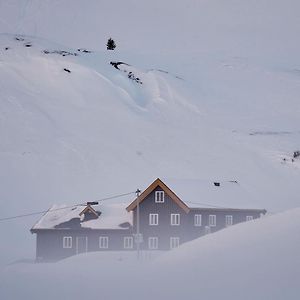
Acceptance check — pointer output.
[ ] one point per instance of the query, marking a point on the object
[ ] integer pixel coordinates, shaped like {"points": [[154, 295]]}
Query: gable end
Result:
{"points": [[166, 189]]}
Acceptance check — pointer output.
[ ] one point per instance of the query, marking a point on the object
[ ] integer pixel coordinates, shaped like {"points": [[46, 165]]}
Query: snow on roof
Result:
{"points": [[110, 218], [211, 194]]}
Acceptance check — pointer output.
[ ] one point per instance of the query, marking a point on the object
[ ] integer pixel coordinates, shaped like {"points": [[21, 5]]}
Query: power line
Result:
{"points": [[117, 196], [61, 208], [36, 213]]}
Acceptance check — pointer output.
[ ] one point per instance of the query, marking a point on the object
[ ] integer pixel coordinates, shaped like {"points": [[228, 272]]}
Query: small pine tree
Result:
{"points": [[111, 45]]}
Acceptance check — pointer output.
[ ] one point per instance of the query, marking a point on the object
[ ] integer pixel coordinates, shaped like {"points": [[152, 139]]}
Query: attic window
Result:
{"points": [[159, 197]]}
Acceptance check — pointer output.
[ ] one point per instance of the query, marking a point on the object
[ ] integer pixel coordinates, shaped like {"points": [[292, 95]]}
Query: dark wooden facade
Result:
{"points": [[50, 242], [55, 244], [186, 230]]}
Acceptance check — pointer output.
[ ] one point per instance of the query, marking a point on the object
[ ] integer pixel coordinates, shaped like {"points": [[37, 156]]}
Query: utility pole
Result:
{"points": [[138, 237]]}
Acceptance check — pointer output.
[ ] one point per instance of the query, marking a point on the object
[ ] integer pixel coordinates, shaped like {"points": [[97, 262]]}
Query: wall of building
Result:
{"points": [[187, 230], [163, 230], [49, 243]]}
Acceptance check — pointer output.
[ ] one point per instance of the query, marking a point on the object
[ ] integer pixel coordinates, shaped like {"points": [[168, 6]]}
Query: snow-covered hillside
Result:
{"points": [[217, 98], [254, 260]]}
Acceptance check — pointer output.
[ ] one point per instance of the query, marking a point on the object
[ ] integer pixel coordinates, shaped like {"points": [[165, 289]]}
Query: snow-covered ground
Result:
{"points": [[217, 99], [254, 260]]}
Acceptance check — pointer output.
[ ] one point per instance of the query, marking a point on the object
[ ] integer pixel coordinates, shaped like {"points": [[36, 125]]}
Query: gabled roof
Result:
{"points": [[88, 208], [165, 188], [204, 194]]}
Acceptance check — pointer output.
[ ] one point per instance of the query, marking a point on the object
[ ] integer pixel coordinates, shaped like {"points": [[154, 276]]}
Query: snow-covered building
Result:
{"points": [[171, 212]]}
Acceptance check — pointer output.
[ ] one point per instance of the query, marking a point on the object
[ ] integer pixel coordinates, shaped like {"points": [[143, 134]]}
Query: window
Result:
{"points": [[67, 242], [153, 219], [249, 218], [207, 230], [174, 242], [159, 197], [175, 219], [153, 243], [212, 220], [228, 220], [128, 242], [103, 242], [198, 220]]}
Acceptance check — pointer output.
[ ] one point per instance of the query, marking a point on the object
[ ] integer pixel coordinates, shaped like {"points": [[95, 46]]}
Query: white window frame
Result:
{"points": [[249, 218], [228, 220], [128, 242], [153, 219], [103, 242], [175, 219], [197, 220], [174, 242], [212, 220], [207, 230], [153, 242], [67, 242], [159, 197]]}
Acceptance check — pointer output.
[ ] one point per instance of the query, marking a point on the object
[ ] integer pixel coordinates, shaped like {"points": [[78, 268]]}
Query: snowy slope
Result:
{"points": [[259, 260], [218, 101], [254, 260]]}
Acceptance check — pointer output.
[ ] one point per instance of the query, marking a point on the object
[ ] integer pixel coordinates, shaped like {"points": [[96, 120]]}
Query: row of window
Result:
{"points": [[153, 242], [212, 220], [128, 242], [175, 219], [103, 242]]}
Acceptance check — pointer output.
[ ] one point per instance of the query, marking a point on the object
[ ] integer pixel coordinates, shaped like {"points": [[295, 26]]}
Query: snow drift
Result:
{"points": [[254, 260]]}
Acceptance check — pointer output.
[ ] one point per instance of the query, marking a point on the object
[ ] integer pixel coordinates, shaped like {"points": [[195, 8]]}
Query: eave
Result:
{"points": [[263, 211]]}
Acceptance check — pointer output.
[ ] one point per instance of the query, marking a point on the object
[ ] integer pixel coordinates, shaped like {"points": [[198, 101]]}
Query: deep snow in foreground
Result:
{"points": [[254, 260]]}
